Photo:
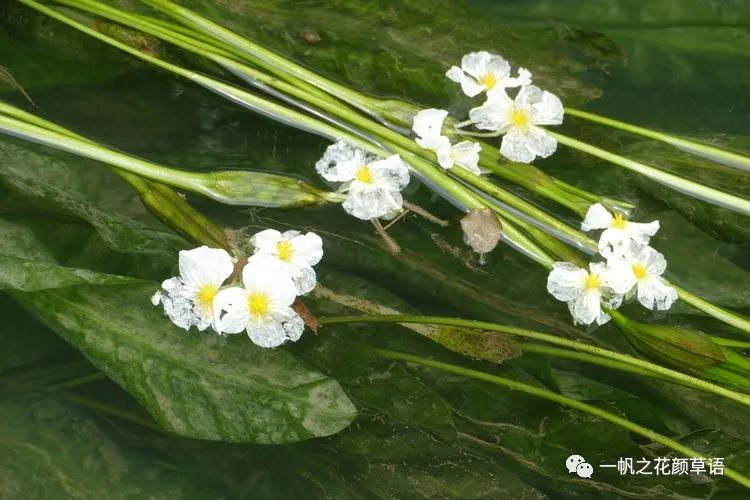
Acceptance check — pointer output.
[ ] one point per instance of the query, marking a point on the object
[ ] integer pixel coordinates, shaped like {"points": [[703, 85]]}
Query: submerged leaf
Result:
{"points": [[190, 383]]}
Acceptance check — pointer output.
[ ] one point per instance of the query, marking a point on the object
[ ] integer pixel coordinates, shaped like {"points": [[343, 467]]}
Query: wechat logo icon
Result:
{"points": [[578, 464]]}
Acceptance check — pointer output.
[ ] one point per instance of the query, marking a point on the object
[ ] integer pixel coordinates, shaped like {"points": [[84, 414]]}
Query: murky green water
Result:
{"points": [[676, 66]]}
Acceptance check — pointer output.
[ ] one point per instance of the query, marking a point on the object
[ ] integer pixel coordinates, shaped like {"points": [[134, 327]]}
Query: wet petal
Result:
{"points": [[340, 162], [205, 265], [524, 144], [642, 232], [231, 312], [466, 155], [308, 248], [653, 293], [597, 217], [266, 241], [373, 203], [566, 281], [495, 114], [390, 173], [286, 325], [586, 308], [428, 125], [304, 279]]}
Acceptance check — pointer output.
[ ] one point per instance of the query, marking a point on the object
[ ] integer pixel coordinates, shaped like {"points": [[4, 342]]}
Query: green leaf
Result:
{"points": [[190, 383], [51, 450], [26, 266], [88, 191]]}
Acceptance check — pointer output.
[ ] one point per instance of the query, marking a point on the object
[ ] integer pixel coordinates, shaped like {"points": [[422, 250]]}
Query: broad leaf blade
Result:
{"points": [[188, 382]]}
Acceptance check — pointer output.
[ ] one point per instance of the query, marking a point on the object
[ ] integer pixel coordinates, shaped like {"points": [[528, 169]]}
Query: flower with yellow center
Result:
{"points": [[428, 125], [296, 252], [485, 72], [372, 187], [364, 175], [584, 291], [521, 120], [618, 231], [188, 300], [638, 272], [262, 306]]}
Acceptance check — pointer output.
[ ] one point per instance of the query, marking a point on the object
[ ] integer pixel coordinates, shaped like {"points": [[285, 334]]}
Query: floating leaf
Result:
{"points": [[190, 383]]}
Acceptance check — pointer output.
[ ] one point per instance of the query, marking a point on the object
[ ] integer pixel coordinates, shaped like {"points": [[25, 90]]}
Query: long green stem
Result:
{"points": [[724, 157], [688, 187], [564, 400], [550, 339], [427, 173], [556, 352], [261, 56]]}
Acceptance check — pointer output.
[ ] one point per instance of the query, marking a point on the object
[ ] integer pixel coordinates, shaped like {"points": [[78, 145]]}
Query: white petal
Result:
{"points": [[495, 114], [586, 308], [566, 281], [308, 249], [204, 265], [266, 241], [372, 203], [340, 162], [266, 275], [597, 217], [455, 74], [548, 110], [654, 261], [231, 312], [390, 173], [304, 279], [524, 144], [283, 326], [428, 125], [466, 155], [444, 156], [641, 232], [619, 277], [499, 68], [476, 63], [613, 243], [653, 293]]}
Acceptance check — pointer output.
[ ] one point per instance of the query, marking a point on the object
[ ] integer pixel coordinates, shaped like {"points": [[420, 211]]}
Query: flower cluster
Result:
{"points": [[280, 269], [372, 186], [519, 118], [428, 125], [632, 270]]}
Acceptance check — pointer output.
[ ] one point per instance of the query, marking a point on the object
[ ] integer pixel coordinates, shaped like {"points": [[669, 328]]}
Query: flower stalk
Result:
{"points": [[705, 193], [564, 400], [603, 354], [727, 158]]}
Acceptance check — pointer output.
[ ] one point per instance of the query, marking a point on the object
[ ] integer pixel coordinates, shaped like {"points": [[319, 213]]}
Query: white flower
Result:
{"points": [[618, 231], [262, 307], [482, 71], [373, 186], [519, 120], [584, 291], [188, 300], [428, 125], [295, 251], [641, 268]]}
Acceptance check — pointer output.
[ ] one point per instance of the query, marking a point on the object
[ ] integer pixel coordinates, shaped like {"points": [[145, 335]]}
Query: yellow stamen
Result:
{"points": [[205, 296], [364, 175], [593, 281], [519, 118], [258, 304], [284, 250], [619, 222], [488, 81], [639, 271]]}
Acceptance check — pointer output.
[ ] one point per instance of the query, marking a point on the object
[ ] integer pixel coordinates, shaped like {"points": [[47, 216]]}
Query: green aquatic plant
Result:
{"points": [[427, 417]]}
